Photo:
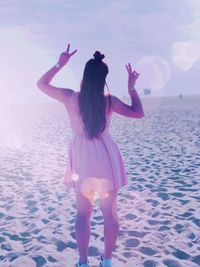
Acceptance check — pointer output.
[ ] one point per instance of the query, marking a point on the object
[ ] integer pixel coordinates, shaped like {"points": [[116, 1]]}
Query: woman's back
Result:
{"points": [[74, 115]]}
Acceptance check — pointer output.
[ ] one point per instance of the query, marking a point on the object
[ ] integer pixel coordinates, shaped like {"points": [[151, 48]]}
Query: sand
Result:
{"points": [[159, 209]]}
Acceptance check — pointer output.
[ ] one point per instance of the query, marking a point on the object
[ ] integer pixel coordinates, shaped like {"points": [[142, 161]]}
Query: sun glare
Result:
{"points": [[155, 72], [186, 54]]}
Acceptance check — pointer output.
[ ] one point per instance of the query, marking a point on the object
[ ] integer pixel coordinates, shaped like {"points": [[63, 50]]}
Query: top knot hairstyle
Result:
{"points": [[98, 56], [92, 101]]}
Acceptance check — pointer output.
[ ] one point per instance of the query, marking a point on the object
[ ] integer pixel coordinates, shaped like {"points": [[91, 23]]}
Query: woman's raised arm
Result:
{"points": [[136, 109], [133, 111], [60, 94]]}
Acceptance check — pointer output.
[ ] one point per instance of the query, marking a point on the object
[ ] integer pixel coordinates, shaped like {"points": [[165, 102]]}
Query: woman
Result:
{"points": [[95, 166]]}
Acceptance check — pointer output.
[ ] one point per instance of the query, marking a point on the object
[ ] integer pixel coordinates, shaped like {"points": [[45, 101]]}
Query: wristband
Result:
{"points": [[58, 66], [132, 89]]}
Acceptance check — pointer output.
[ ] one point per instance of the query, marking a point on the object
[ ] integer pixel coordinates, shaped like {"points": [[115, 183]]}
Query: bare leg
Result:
{"points": [[108, 207], [82, 225]]}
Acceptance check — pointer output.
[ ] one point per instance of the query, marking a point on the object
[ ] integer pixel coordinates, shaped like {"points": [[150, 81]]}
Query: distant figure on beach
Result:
{"points": [[147, 91], [95, 167], [180, 96]]}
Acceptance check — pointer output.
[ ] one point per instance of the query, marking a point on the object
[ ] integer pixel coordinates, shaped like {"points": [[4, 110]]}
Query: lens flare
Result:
{"points": [[155, 72], [98, 186], [75, 177], [186, 54]]}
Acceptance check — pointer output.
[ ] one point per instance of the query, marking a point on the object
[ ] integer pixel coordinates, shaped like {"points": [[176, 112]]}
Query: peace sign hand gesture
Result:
{"points": [[65, 56], [132, 77]]}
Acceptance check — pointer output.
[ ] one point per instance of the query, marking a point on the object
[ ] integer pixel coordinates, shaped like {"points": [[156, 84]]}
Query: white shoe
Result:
{"points": [[105, 262], [82, 264]]}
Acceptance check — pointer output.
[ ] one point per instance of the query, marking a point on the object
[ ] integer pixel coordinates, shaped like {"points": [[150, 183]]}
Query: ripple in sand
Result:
{"points": [[164, 196], [130, 216], [150, 263], [132, 242], [2, 239], [178, 227], [61, 245], [171, 263], [40, 260], [148, 251], [156, 214], [6, 246], [128, 254], [137, 233], [51, 259], [163, 228], [93, 251], [23, 261], [196, 260], [195, 221], [180, 254]]}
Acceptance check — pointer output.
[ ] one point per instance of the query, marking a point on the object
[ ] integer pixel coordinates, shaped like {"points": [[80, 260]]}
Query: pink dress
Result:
{"points": [[93, 165]]}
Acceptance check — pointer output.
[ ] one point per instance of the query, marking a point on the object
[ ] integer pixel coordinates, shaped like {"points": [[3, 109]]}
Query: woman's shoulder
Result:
{"points": [[107, 96], [75, 94], [73, 98], [110, 98]]}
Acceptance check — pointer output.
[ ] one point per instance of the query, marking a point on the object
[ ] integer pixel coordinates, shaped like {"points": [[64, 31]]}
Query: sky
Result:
{"points": [[160, 38]]}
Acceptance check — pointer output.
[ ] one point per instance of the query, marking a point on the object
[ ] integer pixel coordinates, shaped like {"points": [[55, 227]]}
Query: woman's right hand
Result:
{"points": [[65, 56], [132, 77]]}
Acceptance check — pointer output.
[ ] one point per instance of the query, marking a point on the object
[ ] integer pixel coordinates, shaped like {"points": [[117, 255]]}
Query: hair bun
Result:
{"points": [[98, 56]]}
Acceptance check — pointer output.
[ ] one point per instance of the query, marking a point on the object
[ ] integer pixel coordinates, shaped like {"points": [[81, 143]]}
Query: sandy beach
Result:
{"points": [[159, 209]]}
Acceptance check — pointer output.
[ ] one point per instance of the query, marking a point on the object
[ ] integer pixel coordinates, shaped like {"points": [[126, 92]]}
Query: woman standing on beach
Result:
{"points": [[95, 166]]}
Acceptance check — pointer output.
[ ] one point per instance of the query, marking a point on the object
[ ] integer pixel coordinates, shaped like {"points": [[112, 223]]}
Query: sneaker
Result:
{"points": [[82, 264], [105, 262]]}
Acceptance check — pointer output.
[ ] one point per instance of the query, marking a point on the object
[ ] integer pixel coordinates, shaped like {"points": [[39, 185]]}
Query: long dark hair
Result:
{"points": [[92, 102]]}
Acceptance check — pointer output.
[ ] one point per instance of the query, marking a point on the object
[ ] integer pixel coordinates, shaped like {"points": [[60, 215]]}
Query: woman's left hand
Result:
{"points": [[65, 56], [132, 76]]}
